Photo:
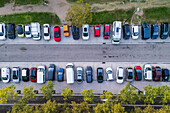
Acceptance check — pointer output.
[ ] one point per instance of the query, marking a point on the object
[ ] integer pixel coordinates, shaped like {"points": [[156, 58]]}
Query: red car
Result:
{"points": [[57, 33], [138, 73], [96, 30], [33, 74], [157, 73], [106, 32]]}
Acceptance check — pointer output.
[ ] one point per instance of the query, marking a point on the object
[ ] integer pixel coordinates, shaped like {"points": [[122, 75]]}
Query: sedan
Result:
{"points": [[96, 30], [165, 74], [25, 74], [154, 31], [2, 31], [138, 73], [129, 73], [33, 74], [135, 32], [120, 75], [79, 74], [27, 31], [16, 74], [75, 32], [99, 75], [11, 31], [60, 74], [85, 33], [106, 32], [109, 73], [157, 73], [46, 32], [89, 74], [20, 31], [164, 31], [126, 31], [57, 33], [147, 72]]}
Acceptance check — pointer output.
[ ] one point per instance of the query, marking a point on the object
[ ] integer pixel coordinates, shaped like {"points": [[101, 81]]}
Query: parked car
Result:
{"points": [[165, 74], [16, 74], [99, 75], [117, 30], [10, 31], [126, 31], [57, 34], [66, 30], [70, 73], [75, 32], [79, 74], [147, 72], [96, 30], [109, 73], [154, 31], [27, 31], [138, 73], [60, 74], [120, 75], [145, 31], [46, 32], [157, 73], [51, 72], [2, 31], [135, 32], [41, 74], [89, 74], [20, 30], [25, 74], [164, 31], [5, 74], [33, 74], [129, 73], [85, 33], [35, 31], [106, 32]]}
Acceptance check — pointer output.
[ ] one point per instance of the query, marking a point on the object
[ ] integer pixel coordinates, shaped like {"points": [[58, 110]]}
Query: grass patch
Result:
{"points": [[3, 2], [25, 2], [156, 15], [98, 1], [27, 18], [110, 16]]}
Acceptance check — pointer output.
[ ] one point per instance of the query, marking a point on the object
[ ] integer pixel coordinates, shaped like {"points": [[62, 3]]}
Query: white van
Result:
{"points": [[70, 73], [41, 74], [35, 31], [5, 74], [117, 30]]}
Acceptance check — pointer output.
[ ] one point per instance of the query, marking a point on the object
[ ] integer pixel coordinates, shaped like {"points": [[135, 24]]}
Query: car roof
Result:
{"points": [[1, 27], [46, 30]]}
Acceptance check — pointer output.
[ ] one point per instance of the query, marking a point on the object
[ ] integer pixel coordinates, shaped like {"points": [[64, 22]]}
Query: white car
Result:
{"points": [[27, 31], [15, 74], [85, 33], [117, 30], [41, 74], [147, 72], [46, 32], [109, 73], [135, 32], [2, 31], [120, 75], [5, 74]]}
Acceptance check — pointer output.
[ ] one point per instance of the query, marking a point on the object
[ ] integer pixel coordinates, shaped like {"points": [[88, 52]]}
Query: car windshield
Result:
{"points": [[60, 73], [100, 77], [85, 34], [135, 33], [15, 75], [106, 34], [109, 72], [85, 29], [120, 77], [4, 78], [1, 34], [128, 33], [97, 28], [27, 32], [56, 33], [46, 34]]}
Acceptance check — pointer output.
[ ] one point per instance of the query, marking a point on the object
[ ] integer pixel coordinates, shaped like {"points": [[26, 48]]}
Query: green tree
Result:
{"points": [[118, 108], [49, 107], [164, 109], [107, 95], [88, 95], [79, 13], [84, 107], [7, 93], [98, 108], [164, 93], [67, 93], [46, 90], [149, 109], [28, 93], [75, 108]]}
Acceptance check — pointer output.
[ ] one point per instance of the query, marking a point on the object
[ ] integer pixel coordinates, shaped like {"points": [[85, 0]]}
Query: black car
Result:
{"points": [[145, 31], [164, 31], [165, 74], [126, 31], [75, 32], [89, 74], [154, 31], [60, 74], [51, 72], [11, 31], [100, 75], [25, 74]]}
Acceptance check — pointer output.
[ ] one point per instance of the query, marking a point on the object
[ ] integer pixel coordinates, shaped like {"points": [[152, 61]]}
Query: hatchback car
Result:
{"points": [[96, 30], [126, 31], [2, 31], [33, 74], [51, 72], [106, 32], [11, 31], [66, 30], [145, 31], [129, 74], [165, 74], [5, 74], [164, 31], [135, 32], [109, 73], [120, 75], [20, 31], [25, 74], [85, 33], [27, 31], [89, 74], [57, 34], [99, 75], [75, 32], [46, 32], [16, 74], [60, 74], [154, 31], [147, 72], [79, 74], [157, 73], [138, 73]]}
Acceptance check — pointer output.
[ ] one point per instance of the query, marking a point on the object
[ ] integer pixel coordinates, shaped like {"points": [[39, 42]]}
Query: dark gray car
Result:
{"points": [[89, 74], [51, 72], [11, 31], [79, 74]]}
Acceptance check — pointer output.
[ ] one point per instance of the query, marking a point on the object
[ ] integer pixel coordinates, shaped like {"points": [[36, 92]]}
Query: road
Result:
{"points": [[84, 53]]}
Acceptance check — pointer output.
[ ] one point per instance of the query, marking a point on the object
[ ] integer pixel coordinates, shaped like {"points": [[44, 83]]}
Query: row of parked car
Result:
{"points": [[34, 30], [39, 74]]}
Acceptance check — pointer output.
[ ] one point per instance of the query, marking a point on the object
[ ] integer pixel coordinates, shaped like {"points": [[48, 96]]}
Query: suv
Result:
{"points": [[51, 72], [135, 32], [66, 30], [75, 32], [27, 31], [2, 31], [164, 30], [5, 74], [85, 33], [20, 31], [11, 31], [129, 73], [25, 74], [89, 74], [106, 32], [126, 31], [15, 74], [96, 30], [100, 75], [157, 73], [165, 74], [117, 30], [145, 31], [120, 75], [154, 31], [41, 74], [46, 32], [79, 74], [147, 72]]}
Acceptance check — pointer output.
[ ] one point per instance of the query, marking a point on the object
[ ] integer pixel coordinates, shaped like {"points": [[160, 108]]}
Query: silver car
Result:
{"points": [[79, 74], [15, 74]]}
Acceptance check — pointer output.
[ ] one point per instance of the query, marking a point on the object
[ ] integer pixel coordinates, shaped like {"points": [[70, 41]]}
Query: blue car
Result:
{"points": [[60, 74], [154, 31], [164, 31], [145, 31]]}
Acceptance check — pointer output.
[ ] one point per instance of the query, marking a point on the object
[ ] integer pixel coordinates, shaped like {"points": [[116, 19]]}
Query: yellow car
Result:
{"points": [[20, 30], [66, 30]]}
